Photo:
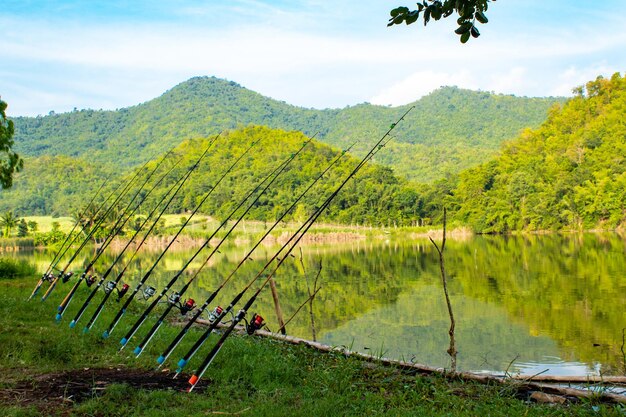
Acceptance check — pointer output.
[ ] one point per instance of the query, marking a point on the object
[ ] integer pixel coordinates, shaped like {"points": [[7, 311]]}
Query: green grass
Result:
{"points": [[11, 268], [44, 223], [251, 376]]}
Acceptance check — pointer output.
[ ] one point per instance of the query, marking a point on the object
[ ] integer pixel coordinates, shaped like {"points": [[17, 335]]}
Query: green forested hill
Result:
{"points": [[449, 130], [60, 185], [570, 173], [56, 185]]}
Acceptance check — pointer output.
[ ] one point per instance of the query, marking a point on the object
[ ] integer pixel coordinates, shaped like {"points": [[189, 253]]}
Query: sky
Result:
{"points": [[109, 54]]}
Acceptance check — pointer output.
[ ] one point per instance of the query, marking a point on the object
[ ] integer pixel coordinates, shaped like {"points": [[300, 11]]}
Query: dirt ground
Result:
{"points": [[66, 388]]}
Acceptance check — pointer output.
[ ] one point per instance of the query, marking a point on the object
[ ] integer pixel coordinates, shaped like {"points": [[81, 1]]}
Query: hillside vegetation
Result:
{"points": [[376, 196], [570, 173], [448, 130]]}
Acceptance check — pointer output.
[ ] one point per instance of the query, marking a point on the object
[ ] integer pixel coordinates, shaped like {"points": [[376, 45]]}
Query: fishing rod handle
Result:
{"points": [[86, 303], [213, 353], [153, 330]]}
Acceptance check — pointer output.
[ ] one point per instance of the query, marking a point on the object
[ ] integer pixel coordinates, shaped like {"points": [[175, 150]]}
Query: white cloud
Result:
{"points": [[574, 77], [421, 83]]}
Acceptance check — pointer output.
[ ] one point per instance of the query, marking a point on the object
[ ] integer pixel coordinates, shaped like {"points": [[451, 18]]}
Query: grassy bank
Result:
{"points": [[49, 369], [11, 268]]}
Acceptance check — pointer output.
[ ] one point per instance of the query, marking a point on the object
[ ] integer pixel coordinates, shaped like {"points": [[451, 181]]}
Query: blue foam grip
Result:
{"points": [[58, 317], [160, 359], [137, 350], [105, 334], [72, 324], [123, 341], [182, 363], [60, 309], [85, 329]]}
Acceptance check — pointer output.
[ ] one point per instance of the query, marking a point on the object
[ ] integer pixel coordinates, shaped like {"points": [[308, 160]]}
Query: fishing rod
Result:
{"points": [[64, 304], [63, 248], [256, 321], [163, 357], [62, 274], [188, 305], [112, 285], [122, 311], [47, 276], [219, 313]]}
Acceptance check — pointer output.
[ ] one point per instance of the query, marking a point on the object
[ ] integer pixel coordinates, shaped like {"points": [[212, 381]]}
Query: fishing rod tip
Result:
{"points": [[58, 317], [72, 324], [105, 334], [85, 330]]}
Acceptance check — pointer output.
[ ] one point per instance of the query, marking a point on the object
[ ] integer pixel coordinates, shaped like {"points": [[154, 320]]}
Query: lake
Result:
{"points": [[543, 303]]}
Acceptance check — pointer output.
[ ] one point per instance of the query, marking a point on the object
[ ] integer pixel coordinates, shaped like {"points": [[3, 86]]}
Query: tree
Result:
{"points": [[10, 162], [33, 226], [8, 221], [22, 228], [468, 11]]}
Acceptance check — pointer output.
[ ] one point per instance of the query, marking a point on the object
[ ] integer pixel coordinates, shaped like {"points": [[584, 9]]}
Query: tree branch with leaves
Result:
{"points": [[10, 162], [469, 13]]}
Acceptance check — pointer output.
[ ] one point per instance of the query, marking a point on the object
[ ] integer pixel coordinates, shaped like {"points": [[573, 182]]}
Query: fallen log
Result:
{"points": [[543, 383]]}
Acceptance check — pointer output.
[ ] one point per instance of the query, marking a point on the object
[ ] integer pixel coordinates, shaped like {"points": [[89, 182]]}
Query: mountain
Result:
{"points": [[570, 173], [447, 131]]}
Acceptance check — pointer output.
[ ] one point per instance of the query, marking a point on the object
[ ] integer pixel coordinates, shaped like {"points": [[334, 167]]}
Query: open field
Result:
{"points": [[44, 223]]}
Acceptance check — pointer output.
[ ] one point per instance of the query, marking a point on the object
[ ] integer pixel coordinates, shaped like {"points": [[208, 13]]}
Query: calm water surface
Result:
{"points": [[526, 304]]}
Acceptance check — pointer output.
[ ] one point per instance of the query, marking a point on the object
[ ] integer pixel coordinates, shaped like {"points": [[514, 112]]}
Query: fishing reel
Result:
{"points": [[215, 314], [186, 307], [122, 292], [174, 298], [66, 277], [109, 287], [256, 323], [148, 292], [90, 280], [48, 277]]}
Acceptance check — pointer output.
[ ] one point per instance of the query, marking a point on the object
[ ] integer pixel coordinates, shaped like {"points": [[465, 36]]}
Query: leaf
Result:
{"points": [[436, 12], [474, 32], [480, 16], [465, 37], [464, 28], [426, 16], [410, 19], [399, 10]]}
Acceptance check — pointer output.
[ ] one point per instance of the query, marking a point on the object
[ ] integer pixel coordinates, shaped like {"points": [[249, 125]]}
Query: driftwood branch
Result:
{"points": [[280, 330], [539, 382], [442, 266], [312, 292], [622, 348], [277, 308]]}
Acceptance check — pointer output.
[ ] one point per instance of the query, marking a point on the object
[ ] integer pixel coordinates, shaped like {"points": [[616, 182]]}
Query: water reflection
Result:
{"points": [[552, 302]]}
